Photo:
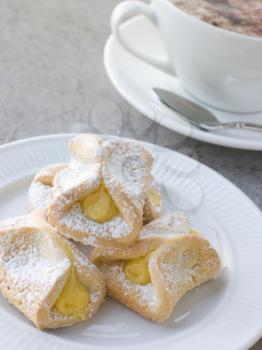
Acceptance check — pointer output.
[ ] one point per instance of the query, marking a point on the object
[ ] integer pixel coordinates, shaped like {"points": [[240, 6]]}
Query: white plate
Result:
{"points": [[134, 80], [223, 314]]}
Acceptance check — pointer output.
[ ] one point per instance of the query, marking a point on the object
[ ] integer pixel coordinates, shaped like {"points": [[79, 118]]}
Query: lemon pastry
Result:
{"points": [[99, 197], [40, 191], [45, 276], [153, 202], [166, 261]]}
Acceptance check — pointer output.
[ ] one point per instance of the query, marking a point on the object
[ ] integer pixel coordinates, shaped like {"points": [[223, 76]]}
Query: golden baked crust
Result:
{"points": [[34, 269], [152, 210], [123, 167], [179, 261], [40, 191]]}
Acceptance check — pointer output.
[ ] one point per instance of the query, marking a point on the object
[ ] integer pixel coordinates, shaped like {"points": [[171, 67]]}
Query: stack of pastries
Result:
{"points": [[104, 197]]}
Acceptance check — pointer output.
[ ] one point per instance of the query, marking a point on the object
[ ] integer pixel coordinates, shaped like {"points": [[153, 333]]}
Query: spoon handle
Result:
{"points": [[251, 126], [233, 125]]}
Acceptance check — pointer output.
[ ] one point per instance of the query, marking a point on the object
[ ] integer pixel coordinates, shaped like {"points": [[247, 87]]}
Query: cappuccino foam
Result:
{"points": [[240, 16]]}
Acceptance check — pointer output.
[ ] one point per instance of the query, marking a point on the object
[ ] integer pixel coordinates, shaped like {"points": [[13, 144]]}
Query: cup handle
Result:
{"points": [[127, 10]]}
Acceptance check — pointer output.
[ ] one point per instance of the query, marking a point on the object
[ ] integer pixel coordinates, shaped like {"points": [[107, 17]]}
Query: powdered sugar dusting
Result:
{"points": [[94, 297], [155, 187], [76, 220], [11, 223], [179, 271], [130, 163], [176, 276], [145, 294], [76, 175], [28, 267], [123, 166], [87, 240], [40, 195], [168, 225]]}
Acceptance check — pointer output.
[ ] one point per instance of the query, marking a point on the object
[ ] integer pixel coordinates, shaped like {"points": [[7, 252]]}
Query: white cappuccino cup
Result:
{"points": [[218, 67]]}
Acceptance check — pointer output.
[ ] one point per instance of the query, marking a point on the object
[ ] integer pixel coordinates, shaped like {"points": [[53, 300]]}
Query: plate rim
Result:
{"points": [[216, 139], [256, 335]]}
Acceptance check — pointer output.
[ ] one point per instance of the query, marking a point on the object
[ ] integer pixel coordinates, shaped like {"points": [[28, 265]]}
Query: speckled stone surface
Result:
{"points": [[52, 80]]}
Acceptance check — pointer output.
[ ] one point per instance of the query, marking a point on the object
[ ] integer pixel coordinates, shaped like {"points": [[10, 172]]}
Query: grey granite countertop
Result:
{"points": [[52, 80]]}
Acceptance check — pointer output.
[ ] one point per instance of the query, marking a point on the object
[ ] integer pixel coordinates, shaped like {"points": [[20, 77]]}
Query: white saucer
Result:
{"points": [[222, 314], [134, 80]]}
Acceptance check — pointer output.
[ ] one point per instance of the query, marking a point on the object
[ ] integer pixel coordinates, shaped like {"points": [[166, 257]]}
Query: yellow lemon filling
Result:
{"points": [[154, 197], [99, 206], [136, 270], [74, 297]]}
